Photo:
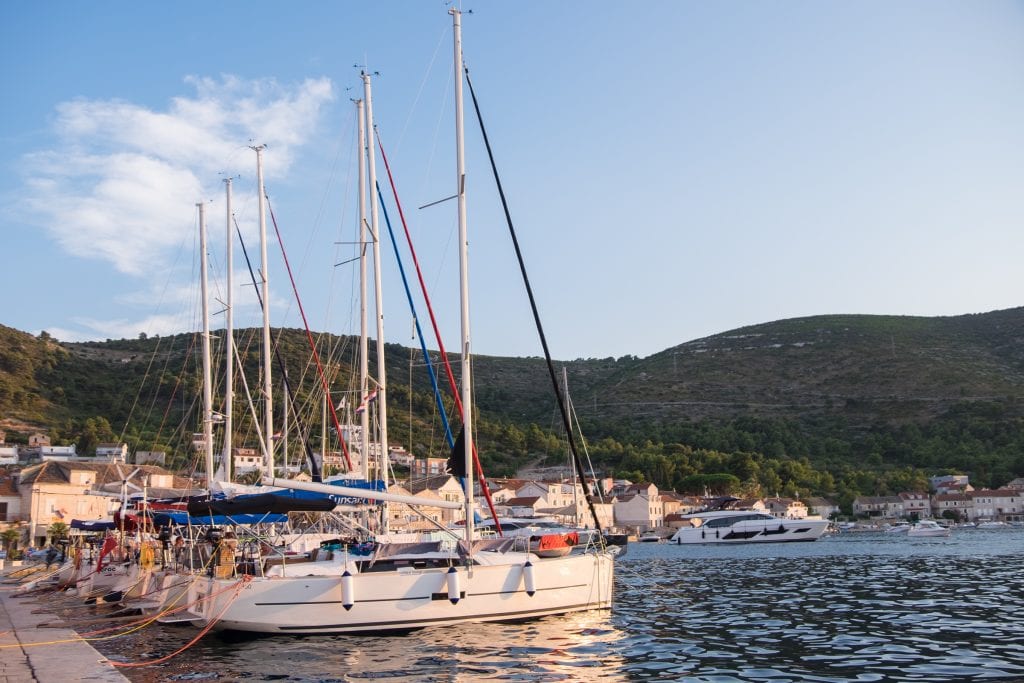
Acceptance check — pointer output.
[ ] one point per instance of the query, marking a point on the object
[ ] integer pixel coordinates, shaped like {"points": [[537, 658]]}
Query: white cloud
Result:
{"points": [[122, 185]]}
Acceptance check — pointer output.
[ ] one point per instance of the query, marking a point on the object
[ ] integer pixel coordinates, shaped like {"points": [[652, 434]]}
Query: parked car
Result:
{"points": [[36, 555]]}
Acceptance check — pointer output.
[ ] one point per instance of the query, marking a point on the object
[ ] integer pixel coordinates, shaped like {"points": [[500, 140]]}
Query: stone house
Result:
{"points": [[10, 501], [958, 504], [8, 454], [112, 452], [521, 506], [916, 504], [58, 453], [1003, 505], [789, 508], [245, 459], [422, 468], [822, 507], [55, 491], [642, 509], [880, 507], [444, 487]]}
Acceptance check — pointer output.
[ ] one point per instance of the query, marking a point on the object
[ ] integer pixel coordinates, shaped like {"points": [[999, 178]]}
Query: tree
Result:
{"points": [[57, 531], [10, 538]]}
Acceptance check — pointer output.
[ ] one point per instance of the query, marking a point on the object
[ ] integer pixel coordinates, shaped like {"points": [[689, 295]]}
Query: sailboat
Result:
{"points": [[406, 586]]}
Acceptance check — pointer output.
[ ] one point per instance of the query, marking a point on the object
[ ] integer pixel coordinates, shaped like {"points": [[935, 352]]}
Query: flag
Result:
{"points": [[457, 460], [372, 396]]}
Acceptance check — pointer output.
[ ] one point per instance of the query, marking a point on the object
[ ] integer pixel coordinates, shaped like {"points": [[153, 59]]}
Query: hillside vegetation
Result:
{"points": [[821, 405]]}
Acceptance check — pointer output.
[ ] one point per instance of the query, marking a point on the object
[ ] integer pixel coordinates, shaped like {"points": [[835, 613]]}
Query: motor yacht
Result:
{"points": [[927, 528], [720, 524]]}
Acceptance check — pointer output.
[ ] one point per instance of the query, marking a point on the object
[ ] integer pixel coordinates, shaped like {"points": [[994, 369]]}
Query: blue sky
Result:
{"points": [[675, 169]]}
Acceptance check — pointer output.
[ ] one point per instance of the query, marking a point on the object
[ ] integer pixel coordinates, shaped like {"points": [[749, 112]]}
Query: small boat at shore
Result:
{"points": [[992, 524], [927, 528]]}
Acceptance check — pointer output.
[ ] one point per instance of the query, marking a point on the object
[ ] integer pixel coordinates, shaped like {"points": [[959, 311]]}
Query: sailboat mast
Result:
{"points": [[382, 410], [268, 405], [364, 352], [207, 380], [229, 343], [460, 179]]}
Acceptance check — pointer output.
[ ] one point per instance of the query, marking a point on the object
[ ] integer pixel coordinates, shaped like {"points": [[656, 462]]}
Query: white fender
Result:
{"points": [[453, 585], [528, 579], [348, 591]]}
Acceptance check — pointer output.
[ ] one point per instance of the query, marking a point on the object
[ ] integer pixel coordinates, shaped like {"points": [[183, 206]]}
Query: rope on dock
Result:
{"points": [[206, 629]]}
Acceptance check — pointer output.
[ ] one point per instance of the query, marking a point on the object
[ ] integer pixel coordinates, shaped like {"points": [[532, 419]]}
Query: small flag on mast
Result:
{"points": [[372, 396]]}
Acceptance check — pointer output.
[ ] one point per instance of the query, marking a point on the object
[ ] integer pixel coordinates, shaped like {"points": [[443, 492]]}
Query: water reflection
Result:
{"points": [[855, 608]]}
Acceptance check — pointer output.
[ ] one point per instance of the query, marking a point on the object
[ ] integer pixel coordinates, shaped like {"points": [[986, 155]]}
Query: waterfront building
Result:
{"points": [[822, 507], [60, 491], [1001, 505], [916, 504], [10, 501], [521, 506], [880, 507], [788, 508], [640, 508], [957, 505]]}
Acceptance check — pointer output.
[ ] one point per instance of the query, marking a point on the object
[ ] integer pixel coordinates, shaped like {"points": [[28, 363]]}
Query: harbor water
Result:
{"points": [[849, 607]]}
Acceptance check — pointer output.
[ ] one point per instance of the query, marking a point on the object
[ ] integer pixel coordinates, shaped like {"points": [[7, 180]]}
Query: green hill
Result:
{"points": [[826, 404]]}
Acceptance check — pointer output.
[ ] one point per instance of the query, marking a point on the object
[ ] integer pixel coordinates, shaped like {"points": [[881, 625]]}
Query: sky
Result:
{"points": [[674, 169]]}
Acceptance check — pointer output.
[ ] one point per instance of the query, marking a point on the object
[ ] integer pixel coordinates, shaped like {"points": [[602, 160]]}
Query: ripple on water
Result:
{"points": [[855, 609]]}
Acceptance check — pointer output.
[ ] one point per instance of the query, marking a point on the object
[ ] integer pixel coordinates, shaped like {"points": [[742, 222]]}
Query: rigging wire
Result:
{"points": [[533, 301], [437, 333]]}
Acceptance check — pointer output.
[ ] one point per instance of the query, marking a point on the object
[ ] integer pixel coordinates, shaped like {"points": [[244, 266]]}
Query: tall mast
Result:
{"points": [[460, 179], [268, 404], [364, 361], [207, 380], [575, 483], [382, 409], [229, 343]]}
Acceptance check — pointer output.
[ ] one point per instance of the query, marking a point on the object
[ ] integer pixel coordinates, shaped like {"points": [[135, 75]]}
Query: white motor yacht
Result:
{"points": [[926, 528], [724, 525]]}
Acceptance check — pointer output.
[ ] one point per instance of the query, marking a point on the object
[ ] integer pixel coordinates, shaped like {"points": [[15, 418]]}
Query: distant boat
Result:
{"points": [[649, 537], [899, 528], [724, 525], [927, 528], [992, 524]]}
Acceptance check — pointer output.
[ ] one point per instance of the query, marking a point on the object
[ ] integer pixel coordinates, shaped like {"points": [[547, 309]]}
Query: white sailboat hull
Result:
{"points": [[409, 598]]}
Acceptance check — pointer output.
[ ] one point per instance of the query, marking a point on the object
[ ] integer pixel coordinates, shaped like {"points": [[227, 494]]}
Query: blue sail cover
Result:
{"points": [[184, 519], [375, 485]]}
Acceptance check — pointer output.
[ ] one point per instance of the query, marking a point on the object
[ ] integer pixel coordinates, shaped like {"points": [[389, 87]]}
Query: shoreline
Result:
{"points": [[64, 657]]}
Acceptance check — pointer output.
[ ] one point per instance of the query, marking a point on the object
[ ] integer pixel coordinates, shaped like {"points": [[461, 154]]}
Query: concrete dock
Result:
{"points": [[63, 659]]}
